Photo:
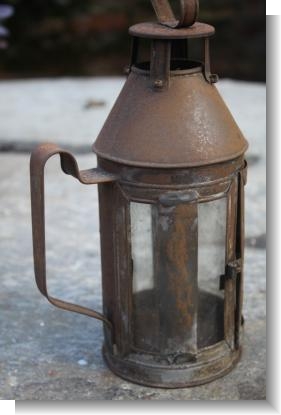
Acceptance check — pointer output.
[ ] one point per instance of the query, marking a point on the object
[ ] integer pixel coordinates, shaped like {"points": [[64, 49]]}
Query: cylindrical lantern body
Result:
{"points": [[167, 238], [171, 174]]}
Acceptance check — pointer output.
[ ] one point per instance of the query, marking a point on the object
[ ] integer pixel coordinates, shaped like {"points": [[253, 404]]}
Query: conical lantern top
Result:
{"points": [[169, 114]]}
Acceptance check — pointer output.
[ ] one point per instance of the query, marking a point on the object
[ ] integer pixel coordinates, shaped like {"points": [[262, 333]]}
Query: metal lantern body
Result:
{"points": [[171, 175]]}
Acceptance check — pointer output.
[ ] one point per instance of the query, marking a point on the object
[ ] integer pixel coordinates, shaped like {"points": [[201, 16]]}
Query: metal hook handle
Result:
{"points": [[69, 166], [166, 16]]}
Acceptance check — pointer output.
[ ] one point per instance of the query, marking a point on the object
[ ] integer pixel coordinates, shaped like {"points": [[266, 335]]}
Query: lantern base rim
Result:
{"points": [[174, 376]]}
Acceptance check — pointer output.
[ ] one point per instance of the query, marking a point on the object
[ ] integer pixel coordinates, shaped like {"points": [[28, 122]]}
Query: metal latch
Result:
{"points": [[231, 270]]}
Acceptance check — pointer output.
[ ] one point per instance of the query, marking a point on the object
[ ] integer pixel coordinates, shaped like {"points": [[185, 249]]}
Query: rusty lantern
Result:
{"points": [[171, 175]]}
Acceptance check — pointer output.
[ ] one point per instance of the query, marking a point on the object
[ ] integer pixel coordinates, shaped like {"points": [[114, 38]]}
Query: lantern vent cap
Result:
{"points": [[154, 30]]}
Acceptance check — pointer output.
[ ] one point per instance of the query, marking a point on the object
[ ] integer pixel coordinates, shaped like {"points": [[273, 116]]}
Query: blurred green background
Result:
{"points": [[51, 38]]}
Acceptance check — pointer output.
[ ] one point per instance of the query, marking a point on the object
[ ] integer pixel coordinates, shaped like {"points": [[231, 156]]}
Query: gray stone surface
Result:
{"points": [[66, 111], [49, 354]]}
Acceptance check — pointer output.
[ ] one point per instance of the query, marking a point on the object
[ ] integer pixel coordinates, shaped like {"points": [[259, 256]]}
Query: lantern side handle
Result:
{"points": [[38, 160]]}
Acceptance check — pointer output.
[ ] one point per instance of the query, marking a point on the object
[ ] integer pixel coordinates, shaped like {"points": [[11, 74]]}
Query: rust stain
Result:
{"points": [[180, 256]]}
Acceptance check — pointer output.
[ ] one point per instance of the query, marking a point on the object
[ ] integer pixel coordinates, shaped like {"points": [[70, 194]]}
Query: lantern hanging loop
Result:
{"points": [[188, 13]]}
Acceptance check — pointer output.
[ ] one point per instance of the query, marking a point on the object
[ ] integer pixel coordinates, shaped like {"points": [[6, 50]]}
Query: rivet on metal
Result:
{"points": [[211, 78], [127, 70], [158, 83]]}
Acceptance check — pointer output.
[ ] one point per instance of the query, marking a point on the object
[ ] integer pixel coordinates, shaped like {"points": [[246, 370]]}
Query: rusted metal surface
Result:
{"points": [[211, 78], [170, 143], [240, 242], [177, 178], [157, 31], [184, 126], [173, 364], [160, 65], [229, 284], [212, 363], [106, 192], [168, 355], [177, 274], [69, 165], [187, 16]]}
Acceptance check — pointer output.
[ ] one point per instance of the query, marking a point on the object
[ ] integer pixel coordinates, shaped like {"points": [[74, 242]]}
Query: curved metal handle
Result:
{"points": [[166, 16], [69, 165]]}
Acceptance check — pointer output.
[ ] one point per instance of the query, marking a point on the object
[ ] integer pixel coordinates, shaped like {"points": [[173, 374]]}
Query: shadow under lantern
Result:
{"points": [[171, 175]]}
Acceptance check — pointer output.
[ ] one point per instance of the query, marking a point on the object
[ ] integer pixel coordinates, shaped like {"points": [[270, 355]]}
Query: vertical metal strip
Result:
{"points": [[211, 78], [123, 273], [160, 64], [230, 284], [106, 193], [240, 254], [177, 247], [157, 276], [134, 52]]}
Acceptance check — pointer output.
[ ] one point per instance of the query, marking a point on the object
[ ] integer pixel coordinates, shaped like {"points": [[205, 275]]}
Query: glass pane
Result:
{"points": [[145, 314], [212, 218], [142, 249]]}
